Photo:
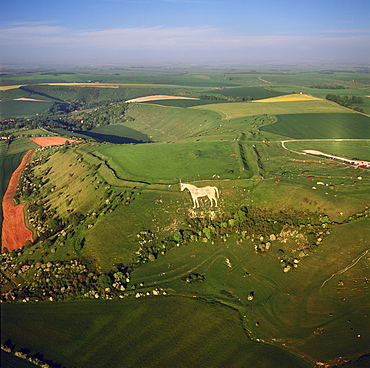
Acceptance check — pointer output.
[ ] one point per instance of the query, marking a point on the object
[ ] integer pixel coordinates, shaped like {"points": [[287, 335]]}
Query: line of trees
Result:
{"points": [[346, 101], [323, 86]]}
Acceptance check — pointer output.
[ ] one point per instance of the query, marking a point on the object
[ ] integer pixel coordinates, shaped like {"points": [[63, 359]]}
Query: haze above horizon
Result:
{"points": [[154, 32]]}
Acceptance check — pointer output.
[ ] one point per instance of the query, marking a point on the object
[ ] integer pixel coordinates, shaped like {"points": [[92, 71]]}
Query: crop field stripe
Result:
{"points": [[234, 110], [321, 125], [5, 88], [290, 98]]}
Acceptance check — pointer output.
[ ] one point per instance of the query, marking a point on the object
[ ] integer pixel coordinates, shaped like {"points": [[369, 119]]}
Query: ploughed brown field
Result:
{"points": [[50, 141], [14, 232]]}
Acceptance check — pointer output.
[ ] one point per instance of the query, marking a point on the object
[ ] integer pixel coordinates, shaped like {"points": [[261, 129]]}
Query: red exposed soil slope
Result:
{"points": [[15, 233], [50, 141]]}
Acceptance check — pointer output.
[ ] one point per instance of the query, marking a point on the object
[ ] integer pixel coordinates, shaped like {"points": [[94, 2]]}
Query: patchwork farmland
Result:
{"points": [[121, 260]]}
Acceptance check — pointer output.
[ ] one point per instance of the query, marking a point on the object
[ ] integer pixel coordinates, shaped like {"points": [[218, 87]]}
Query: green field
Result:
{"points": [[23, 108], [234, 110], [174, 161], [170, 123], [256, 93], [334, 125], [143, 333], [352, 149], [275, 276]]}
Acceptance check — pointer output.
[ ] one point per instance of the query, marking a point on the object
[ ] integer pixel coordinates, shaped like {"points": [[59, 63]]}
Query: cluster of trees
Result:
{"points": [[193, 278], [333, 86], [213, 97], [224, 98], [37, 359], [31, 281], [346, 101], [41, 217], [66, 115], [259, 226], [101, 116]]}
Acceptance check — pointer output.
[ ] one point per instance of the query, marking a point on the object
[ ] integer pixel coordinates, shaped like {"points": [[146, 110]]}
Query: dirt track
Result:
{"points": [[14, 232]]}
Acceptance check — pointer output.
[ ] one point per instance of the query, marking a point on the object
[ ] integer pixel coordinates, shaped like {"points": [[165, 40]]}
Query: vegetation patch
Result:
{"points": [[175, 161], [301, 126], [235, 110], [149, 280], [200, 334]]}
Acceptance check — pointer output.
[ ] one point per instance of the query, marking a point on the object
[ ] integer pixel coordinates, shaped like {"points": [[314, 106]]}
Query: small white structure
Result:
{"points": [[210, 192]]}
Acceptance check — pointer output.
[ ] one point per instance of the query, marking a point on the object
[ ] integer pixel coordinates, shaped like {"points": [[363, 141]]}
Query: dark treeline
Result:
{"points": [[346, 101], [67, 116], [322, 86]]}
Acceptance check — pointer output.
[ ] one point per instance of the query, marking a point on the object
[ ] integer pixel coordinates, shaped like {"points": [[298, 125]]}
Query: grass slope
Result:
{"points": [[277, 314], [240, 109], [175, 161], [321, 303], [351, 149], [23, 108], [318, 125], [170, 123], [160, 331]]}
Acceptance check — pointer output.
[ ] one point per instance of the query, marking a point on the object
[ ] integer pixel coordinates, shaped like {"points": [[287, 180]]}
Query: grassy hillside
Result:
{"points": [[240, 109], [169, 123], [175, 161], [200, 342], [11, 109], [319, 125], [275, 272]]}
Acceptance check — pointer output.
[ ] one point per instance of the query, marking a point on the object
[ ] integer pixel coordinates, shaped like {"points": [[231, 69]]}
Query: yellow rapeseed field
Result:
{"points": [[289, 98], [5, 88]]}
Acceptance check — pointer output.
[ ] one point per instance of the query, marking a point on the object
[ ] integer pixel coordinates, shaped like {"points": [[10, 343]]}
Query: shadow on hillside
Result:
{"points": [[110, 138]]}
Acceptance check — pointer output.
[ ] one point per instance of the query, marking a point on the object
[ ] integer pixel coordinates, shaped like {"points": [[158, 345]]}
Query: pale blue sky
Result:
{"points": [[184, 31]]}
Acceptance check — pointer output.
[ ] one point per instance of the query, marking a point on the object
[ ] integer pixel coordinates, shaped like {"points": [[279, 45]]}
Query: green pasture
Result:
{"points": [[157, 331], [170, 123], [234, 110], [256, 93], [295, 186], [288, 308], [196, 80], [109, 193], [343, 148], [12, 94], [22, 144], [320, 125], [37, 132], [183, 102], [309, 79], [174, 161], [23, 108]]}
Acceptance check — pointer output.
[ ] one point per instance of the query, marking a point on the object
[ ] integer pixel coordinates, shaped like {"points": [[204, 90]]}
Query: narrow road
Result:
{"points": [[314, 152]]}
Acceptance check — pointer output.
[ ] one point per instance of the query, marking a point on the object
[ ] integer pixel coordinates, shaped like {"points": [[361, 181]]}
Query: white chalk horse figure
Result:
{"points": [[210, 192]]}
